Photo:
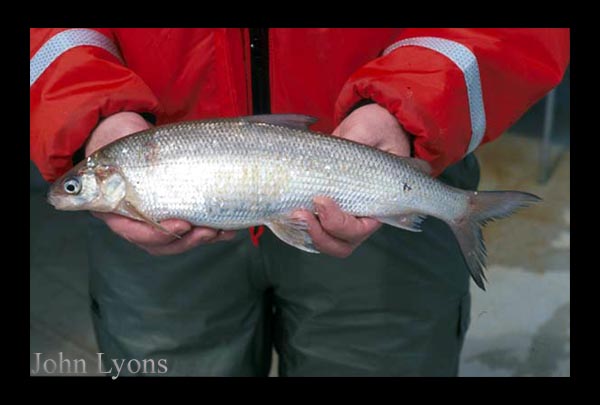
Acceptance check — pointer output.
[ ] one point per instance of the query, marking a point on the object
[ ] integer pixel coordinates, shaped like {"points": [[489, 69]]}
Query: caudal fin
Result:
{"points": [[485, 206]]}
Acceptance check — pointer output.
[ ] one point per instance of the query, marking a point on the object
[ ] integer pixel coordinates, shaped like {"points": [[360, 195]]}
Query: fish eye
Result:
{"points": [[72, 186]]}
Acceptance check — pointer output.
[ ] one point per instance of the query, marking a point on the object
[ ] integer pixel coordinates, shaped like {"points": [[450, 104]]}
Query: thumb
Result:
{"points": [[114, 127]]}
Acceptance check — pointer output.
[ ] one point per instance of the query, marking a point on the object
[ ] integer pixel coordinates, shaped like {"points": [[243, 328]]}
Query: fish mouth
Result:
{"points": [[56, 201], [51, 199]]}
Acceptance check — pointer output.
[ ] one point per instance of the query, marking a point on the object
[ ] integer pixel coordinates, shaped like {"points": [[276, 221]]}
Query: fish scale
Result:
{"points": [[231, 174]]}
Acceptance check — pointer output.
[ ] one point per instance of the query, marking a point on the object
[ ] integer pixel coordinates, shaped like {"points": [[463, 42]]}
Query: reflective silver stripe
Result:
{"points": [[467, 63], [62, 42]]}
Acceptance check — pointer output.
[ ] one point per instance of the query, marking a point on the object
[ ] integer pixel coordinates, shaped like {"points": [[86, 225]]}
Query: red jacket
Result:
{"points": [[453, 89]]}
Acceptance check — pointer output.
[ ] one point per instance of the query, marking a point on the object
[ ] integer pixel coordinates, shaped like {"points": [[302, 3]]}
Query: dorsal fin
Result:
{"points": [[419, 164], [297, 121]]}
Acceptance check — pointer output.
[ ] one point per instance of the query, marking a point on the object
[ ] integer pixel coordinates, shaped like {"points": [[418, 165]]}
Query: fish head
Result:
{"points": [[92, 184]]}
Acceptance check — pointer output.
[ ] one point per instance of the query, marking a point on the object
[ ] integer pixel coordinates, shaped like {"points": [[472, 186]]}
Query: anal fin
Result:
{"points": [[410, 222], [293, 232]]}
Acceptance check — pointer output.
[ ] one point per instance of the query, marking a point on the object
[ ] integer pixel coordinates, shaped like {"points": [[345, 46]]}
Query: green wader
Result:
{"points": [[398, 306]]}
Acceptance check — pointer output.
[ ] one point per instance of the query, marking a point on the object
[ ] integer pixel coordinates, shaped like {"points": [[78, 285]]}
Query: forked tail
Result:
{"points": [[485, 206]]}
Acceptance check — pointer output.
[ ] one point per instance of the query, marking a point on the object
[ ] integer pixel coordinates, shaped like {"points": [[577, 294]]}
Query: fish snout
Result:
{"points": [[52, 200]]}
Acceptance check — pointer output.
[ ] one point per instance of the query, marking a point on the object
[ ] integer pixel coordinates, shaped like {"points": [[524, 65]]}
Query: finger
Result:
{"points": [[357, 132], [141, 233], [323, 242], [341, 225], [223, 236], [197, 236], [366, 138], [114, 127]]}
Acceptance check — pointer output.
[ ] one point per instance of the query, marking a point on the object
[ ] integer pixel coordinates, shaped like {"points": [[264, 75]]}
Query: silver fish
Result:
{"points": [[236, 173]]}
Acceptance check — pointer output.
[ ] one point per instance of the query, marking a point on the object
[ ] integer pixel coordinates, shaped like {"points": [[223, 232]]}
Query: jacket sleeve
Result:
{"points": [[455, 89], [77, 77]]}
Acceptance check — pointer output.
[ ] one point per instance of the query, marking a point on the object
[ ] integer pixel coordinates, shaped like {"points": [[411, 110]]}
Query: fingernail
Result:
{"points": [[321, 210], [221, 235], [207, 237], [228, 236]]}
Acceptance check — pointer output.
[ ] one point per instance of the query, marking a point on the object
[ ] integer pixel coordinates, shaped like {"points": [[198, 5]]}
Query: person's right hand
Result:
{"points": [[141, 234]]}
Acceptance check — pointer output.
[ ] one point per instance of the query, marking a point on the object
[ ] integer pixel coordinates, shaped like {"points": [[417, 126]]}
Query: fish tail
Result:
{"points": [[485, 206]]}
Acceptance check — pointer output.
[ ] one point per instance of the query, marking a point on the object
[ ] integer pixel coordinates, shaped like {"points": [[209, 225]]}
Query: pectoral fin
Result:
{"points": [[131, 210], [410, 222], [293, 232]]}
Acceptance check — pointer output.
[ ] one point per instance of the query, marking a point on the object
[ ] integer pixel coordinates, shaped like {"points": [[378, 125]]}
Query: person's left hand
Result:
{"points": [[335, 232]]}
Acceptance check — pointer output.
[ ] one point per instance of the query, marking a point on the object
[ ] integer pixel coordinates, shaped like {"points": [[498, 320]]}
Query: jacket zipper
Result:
{"points": [[259, 57], [261, 89]]}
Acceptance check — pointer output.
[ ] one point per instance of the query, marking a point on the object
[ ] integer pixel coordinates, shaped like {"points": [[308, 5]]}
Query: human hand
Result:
{"points": [[335, 232], [139, 233]]}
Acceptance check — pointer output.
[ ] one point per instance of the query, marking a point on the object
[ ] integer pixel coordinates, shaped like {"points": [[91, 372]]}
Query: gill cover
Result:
{"points": [[90, 185]]}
